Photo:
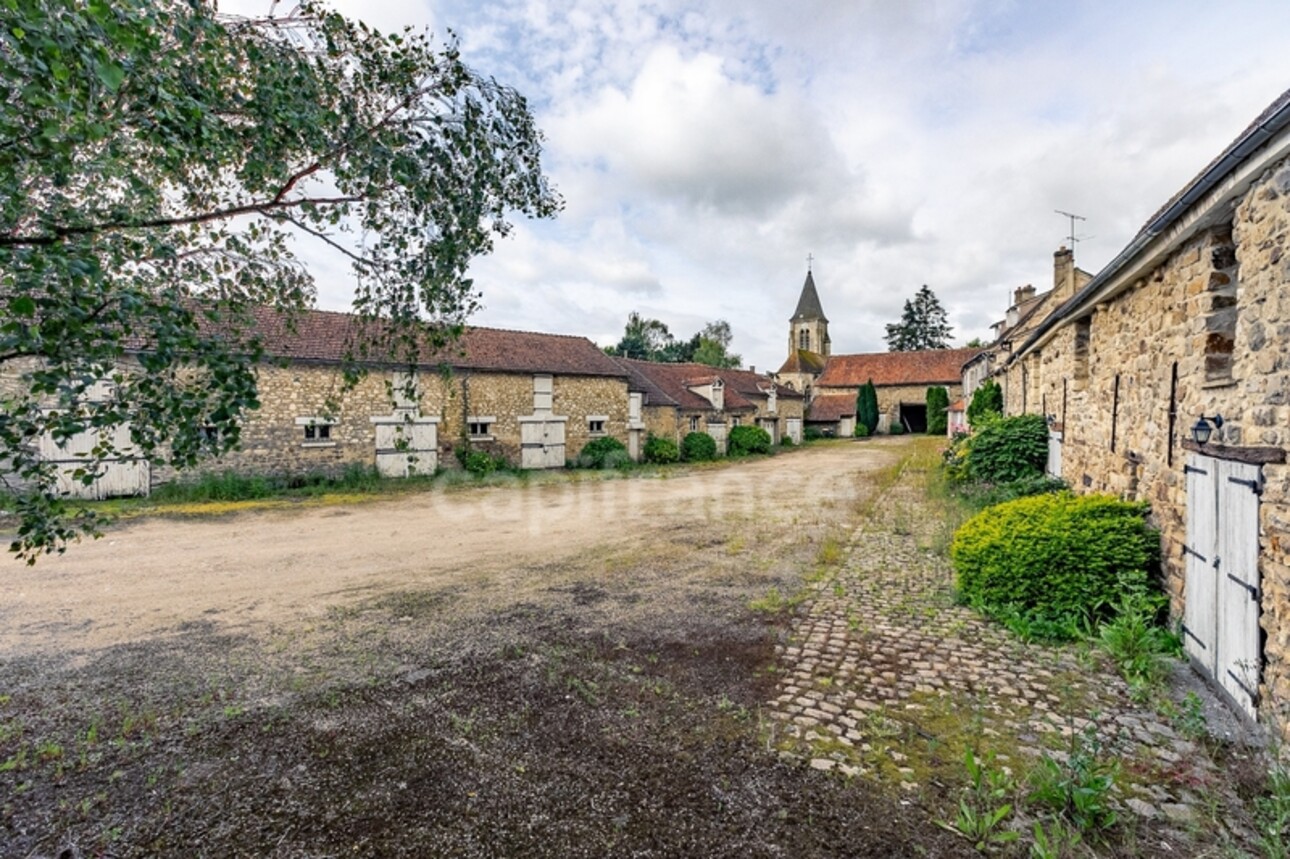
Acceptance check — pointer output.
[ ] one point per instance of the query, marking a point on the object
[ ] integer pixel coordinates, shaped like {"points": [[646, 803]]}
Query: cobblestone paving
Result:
{"points": [[883, 676]]}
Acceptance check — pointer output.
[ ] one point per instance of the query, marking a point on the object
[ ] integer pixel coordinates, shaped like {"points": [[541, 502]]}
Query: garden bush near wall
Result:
{"points": [[938, 404], [861, 430], [1009, 449], [749, 440], [606, 452], [697, 447], [661, 451], [987, 401], [1049, 565], [479, 462]]}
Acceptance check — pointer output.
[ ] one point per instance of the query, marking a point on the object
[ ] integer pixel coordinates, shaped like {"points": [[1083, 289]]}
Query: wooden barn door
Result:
{"points": [[126, 473], [1222, 596], [1239, 655], [406, 446], [542, 442], [1200, 617]]}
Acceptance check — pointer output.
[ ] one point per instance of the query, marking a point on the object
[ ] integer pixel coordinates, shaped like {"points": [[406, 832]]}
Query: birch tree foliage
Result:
{"points": [[157, 160]]}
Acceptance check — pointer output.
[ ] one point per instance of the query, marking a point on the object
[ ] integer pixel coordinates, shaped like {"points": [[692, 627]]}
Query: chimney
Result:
{"points": [[752, 368], [1063, 274]]}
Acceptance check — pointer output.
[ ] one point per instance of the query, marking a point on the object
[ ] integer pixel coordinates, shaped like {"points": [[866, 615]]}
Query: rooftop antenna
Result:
{"points": [[1072, 238]]}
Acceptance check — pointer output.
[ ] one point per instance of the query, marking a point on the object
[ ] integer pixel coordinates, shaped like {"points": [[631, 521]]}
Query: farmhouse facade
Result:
{"points": [[677, 399], [1166, 378]]}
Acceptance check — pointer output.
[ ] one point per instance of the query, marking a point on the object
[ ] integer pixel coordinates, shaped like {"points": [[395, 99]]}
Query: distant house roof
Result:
{"points": [[929, 367], [321, 335], [832, 407], [804, 361], [808, 303], [670, 385]]}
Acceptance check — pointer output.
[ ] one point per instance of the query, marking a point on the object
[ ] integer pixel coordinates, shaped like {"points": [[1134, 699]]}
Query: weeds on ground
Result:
{"points": [[1272, 813], [1078, 787], [984, 807], [1139, 646]]}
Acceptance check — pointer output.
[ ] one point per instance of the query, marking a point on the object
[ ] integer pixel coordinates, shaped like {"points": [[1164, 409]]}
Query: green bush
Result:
{"points": [[479, 462], [698, 447], [786, 441], [896, 428], [749, 440], [812, 434], [1054, 562], [662, 451], [1009, 449], [862, 431], [938, 403], [981, 495], [603, 452], [987, 400]]}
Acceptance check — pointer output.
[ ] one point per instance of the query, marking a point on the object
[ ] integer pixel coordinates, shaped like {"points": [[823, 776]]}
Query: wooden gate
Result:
{"points": [[793, 429], [126, 473], [406, 445], [542, 442], [1221, 609]]}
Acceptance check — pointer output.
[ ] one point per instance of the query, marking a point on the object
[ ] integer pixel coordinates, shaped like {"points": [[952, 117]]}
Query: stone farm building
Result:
{"points": [[532, 399], [677, 399], [1189, 323]]}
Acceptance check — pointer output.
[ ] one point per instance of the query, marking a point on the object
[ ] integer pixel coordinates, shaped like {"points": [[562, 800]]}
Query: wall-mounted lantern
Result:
{"points": [[1051, 420], [1202, 430]]}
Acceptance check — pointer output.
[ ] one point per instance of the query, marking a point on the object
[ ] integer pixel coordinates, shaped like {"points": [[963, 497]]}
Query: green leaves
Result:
{"points": [[160, 158]]}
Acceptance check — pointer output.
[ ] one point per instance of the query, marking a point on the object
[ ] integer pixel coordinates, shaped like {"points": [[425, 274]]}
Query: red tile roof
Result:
{"points": [[321, 335], [669, 384], [931, 367], [832, 407]]}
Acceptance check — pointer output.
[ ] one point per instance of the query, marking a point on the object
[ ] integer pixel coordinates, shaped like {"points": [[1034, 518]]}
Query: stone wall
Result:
{"points": [[891, 396], [1214, 315]]}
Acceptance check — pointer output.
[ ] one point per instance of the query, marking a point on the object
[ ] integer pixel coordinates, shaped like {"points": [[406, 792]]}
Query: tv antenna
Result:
{"points": [[1072, 238]]}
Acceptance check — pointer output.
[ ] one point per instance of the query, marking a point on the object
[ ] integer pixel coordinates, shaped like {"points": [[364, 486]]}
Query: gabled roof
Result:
{"points": [[808, 304], [832, 407], [804, 361], [670, 385], [928, 367], [321, 335]]}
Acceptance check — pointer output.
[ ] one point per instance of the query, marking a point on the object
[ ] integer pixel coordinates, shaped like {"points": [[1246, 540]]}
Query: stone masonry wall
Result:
{"points": [[1217, 309], [891, 396]]}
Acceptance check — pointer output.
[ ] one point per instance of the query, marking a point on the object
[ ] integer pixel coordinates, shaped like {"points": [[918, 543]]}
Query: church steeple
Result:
{"points": [[808, 326]]}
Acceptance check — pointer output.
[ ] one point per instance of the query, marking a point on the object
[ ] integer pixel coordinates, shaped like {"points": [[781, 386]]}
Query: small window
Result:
{"points": [[317, 432], [596, 427], [734, 421], [694, 423], [480, 429]]}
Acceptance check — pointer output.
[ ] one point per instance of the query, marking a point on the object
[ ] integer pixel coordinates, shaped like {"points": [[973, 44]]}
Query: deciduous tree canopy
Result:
{"points": [[156, 159], [650, 340]]}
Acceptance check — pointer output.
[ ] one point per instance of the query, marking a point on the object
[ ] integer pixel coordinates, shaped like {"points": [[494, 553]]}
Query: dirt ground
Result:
{"points": [[559, 668]]}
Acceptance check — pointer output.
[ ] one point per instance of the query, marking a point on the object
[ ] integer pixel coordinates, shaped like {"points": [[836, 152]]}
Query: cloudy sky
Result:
{"points": [[705, 147]]}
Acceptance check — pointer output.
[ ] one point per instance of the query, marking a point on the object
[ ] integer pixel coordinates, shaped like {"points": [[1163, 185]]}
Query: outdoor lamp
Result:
{"points": [[1202, 430]]}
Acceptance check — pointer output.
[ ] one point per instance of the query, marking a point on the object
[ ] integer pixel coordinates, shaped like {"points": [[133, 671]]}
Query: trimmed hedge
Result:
{"points": [[987, 400], [749, 440], [605, 452], [661, 451], [1055, 561], [698, 447], [1009, 449], [861, 430], [867, 406]]}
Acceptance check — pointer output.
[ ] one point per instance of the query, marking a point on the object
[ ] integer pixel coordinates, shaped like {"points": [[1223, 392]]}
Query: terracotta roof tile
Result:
{"points": [[930, 367], [321, 335], [832, 407], [669, 384]]}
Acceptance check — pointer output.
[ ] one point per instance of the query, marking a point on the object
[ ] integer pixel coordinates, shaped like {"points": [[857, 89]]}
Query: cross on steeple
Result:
{"points": [[809, 259]]}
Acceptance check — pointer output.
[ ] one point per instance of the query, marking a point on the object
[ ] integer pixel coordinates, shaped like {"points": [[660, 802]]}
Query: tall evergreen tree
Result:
{"points": [[867, 406], [938, 403], [923, 325]]}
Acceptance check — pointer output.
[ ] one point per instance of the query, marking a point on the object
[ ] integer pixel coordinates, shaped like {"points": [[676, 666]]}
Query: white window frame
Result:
{"points": [[485, 421], [694, 423], [593, 420], [321, 431]]}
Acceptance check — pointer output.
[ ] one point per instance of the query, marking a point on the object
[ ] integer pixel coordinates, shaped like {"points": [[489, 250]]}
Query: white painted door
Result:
{"points": [[1239, 656], [124, 473], [541, 443], [406, 446], [1200, 616], [1222, 592], [793, 429], [1054, 466]]}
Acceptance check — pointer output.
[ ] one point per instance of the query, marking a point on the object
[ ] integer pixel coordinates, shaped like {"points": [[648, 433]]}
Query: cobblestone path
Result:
{"points": [[884, 677]]}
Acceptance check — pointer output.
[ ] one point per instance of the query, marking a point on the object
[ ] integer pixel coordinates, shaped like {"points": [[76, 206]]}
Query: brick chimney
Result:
{"points": [[1023, 293]]}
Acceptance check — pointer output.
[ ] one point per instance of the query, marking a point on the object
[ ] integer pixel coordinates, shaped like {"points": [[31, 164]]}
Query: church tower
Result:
{"points": [[809, 328], [808, 341]]}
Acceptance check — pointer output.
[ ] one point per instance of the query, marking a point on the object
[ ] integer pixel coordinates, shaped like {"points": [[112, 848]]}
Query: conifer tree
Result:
{"points": [[923, 325], [867, 406]]}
